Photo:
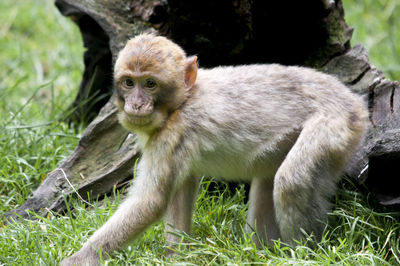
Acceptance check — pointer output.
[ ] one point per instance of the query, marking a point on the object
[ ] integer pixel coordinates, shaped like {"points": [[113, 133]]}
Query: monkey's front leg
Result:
{"points": [[179, 211], [146, 203]]}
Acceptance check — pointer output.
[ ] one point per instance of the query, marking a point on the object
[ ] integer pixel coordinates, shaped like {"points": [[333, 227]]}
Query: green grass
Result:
{"points": [[356, 235], [41, 65], [41, 59]]}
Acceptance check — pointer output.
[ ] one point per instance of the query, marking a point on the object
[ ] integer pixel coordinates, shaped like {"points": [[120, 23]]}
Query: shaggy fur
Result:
{"points": [[287, 130]]}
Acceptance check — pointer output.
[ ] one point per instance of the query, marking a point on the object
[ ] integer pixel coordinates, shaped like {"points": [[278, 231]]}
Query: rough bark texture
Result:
{"points": [[375, 164], [311, 33]]}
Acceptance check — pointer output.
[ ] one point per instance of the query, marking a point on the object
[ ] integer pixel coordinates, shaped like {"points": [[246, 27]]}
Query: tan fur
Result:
{"points": [[287, 130]]}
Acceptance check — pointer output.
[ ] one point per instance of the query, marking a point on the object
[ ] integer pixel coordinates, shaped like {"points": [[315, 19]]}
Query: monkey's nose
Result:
{"points": [[137, 106], [141, 109], [132, 109]]}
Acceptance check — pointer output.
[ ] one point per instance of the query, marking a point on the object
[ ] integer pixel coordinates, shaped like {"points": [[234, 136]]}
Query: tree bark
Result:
{"points": [[226, 32]]}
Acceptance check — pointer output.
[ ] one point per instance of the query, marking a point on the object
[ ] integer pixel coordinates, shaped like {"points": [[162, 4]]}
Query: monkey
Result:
{"points": [[287, 130]]}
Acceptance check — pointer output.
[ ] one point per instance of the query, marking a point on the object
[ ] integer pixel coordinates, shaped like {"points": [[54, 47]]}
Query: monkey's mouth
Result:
{"points": [[138, 120]]}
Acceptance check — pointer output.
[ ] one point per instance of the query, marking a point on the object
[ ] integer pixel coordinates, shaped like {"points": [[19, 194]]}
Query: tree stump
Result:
{"points": [[226, 32]]}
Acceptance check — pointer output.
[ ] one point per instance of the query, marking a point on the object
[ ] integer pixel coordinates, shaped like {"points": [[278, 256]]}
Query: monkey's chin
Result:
{"points": [[136, 123]]}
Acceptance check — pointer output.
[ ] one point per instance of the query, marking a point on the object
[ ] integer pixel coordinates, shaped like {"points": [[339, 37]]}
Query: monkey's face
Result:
{"points": [[136, 98], [152, 77]]}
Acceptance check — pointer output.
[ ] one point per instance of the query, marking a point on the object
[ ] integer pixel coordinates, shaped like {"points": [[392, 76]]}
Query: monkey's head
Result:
{"points": [[152, 78]]}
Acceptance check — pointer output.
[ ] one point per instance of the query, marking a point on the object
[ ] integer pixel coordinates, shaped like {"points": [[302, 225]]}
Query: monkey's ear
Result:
{"points": [[191, 71]]}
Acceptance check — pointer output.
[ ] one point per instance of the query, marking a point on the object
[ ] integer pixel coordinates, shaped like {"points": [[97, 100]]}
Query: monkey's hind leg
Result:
{"points": [[179, 212], [307, 177]]}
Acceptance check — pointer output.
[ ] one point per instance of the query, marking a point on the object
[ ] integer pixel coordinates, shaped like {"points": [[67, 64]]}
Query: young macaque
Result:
{"points": [[287, 130]]}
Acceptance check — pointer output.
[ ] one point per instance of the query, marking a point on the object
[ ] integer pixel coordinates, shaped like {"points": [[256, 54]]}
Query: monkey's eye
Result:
{"points": [[150, 83], [128, 82]]}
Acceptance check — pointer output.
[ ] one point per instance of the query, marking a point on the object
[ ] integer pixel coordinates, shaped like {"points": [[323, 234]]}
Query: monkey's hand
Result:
{"points": [[87, 256]]}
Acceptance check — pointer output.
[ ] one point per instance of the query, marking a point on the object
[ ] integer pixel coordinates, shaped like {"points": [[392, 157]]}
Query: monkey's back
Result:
{"points": [[260, 109], [266, 98]]}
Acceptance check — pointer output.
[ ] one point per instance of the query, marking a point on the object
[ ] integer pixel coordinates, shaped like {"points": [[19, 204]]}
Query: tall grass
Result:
{"points": [[41, 66]]}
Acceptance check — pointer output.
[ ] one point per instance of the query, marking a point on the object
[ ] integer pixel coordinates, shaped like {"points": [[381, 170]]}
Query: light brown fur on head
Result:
{"points": [[155, 54]]}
